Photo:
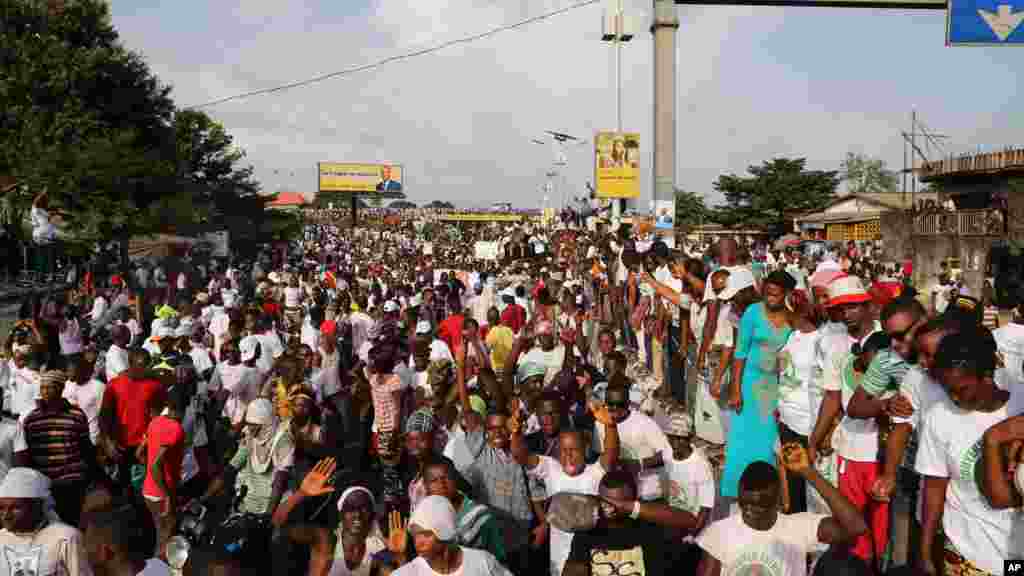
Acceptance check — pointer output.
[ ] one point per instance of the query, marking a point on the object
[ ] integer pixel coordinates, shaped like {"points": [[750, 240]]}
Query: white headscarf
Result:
{"points": [[260, 412], [436, 514], [29, 483]]}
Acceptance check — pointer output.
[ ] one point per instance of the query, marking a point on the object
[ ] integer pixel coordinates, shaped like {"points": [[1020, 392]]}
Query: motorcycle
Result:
{"points": [[241, 534]]}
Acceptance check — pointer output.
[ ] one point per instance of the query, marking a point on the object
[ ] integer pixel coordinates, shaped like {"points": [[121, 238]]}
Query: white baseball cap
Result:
{"points": [[391, 306], [423, 327], [248, 347], [161, 333]]}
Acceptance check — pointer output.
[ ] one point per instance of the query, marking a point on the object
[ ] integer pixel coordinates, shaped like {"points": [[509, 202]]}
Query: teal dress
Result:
{"points": [[753, 431]]}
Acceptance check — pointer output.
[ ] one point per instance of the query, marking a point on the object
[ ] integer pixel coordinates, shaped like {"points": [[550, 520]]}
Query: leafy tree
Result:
{"points": [[866, 175], [772, 192], [218, 191], [83, 117], [690, 209]]}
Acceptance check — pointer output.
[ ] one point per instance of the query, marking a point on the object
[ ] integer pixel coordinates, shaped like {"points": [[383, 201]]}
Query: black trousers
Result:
{"points": [[67, 498], [797, 485]]}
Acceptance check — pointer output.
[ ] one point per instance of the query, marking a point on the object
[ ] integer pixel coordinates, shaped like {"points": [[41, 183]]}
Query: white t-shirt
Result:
{"points": [[330, 377], [1010, 340], [24, 387], [940, 296], [219, 325], [691, 484], [116, 361], [780, 551], [292, 296], [99, 308], [56, 550], [270, 350], [88, 397], [639, 437], [950, 447], [858, 438], [723, 330], [439, 351], [709, 293], [456, 449], [43, 231], [799, 367], [474, 563], [242, 384], [556, 481], [310, 334], [155, 567]]}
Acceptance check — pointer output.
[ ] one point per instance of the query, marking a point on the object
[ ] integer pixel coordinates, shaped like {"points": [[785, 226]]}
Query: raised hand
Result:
{"points": [[515, 422], [601, 414], [883, 488], [795, 458], [317, 481], [397, 538]]}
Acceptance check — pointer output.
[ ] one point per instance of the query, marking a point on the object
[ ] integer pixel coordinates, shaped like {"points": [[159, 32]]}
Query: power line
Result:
{"points": [[397, 58]]}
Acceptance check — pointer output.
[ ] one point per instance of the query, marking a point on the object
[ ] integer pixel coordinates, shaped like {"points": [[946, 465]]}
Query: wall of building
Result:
{"points": [[927, 252]]}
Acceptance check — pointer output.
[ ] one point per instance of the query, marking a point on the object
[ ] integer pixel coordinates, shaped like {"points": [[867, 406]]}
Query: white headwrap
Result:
{"points": [[259, 412], [435, 513], [25, 483], [29, 483], [22, 349]]}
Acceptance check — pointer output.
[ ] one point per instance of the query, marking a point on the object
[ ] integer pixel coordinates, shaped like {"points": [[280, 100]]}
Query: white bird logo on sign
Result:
{"points": [[1003, 21]]}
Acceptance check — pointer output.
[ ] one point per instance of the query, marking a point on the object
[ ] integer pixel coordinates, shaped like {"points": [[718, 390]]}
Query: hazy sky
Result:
{"points": [[753, 83]]}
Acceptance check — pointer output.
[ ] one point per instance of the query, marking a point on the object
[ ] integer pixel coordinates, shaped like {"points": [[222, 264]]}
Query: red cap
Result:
{"points": [[116, 280], [329, 327]]}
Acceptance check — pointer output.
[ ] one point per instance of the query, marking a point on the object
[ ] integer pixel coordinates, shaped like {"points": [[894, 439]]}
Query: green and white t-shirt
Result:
{"points": [[951, 447], [691, 483], [780, 551]]}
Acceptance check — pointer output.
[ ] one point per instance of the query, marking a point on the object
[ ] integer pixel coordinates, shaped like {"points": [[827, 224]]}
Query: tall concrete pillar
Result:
{"points": [[664, 27]]}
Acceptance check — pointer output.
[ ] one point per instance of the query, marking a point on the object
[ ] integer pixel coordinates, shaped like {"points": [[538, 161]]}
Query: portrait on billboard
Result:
{"points": [[617, 165], [386, 184]]}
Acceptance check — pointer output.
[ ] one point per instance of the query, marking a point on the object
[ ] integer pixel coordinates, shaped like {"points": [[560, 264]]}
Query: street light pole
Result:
{"points": [[617, 30]]}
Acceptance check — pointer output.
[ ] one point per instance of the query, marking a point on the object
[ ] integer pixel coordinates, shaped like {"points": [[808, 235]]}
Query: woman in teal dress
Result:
{"points": [[764, 329]]}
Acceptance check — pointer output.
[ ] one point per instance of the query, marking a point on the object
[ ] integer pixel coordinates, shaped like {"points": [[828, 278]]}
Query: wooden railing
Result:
{"points": [[960, 223], [986, 162]]}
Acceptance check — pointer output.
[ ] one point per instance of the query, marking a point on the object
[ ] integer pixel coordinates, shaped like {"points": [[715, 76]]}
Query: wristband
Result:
{"points": [[641, 461], [636, 510]]}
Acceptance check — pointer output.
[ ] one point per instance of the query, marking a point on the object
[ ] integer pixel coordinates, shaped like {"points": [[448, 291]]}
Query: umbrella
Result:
{"points": [[787, 240]]}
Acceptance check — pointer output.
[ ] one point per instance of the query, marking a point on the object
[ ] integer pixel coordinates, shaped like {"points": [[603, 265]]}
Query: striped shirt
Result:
{"points": [[884, 374], [55, 441]]}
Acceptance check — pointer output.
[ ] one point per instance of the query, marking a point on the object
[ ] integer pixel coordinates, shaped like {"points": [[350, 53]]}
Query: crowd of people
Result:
{"points": [[591, 400]]}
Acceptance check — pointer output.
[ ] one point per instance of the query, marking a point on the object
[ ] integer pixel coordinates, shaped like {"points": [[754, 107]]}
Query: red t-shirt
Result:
{"points": [[130, 401], [514, 317], [451, 331], [164, 431]]}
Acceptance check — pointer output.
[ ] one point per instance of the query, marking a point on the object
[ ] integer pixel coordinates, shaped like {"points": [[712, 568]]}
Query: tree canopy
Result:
{"points": [[83, 117], [773, 192], [866, 175], [691, 211], [86, 120]]}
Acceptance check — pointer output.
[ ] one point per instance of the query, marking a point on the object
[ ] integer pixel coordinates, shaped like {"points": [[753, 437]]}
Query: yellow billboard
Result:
{"points": [[361, 178], [617, 165], [479, 217]]}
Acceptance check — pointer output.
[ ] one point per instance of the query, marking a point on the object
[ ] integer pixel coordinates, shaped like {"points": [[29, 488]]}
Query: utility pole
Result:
{"points": [[664, 27]]}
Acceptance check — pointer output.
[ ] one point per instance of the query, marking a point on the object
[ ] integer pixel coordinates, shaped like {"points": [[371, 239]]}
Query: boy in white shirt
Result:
{"points": [[761, 540], [691, 483]]}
